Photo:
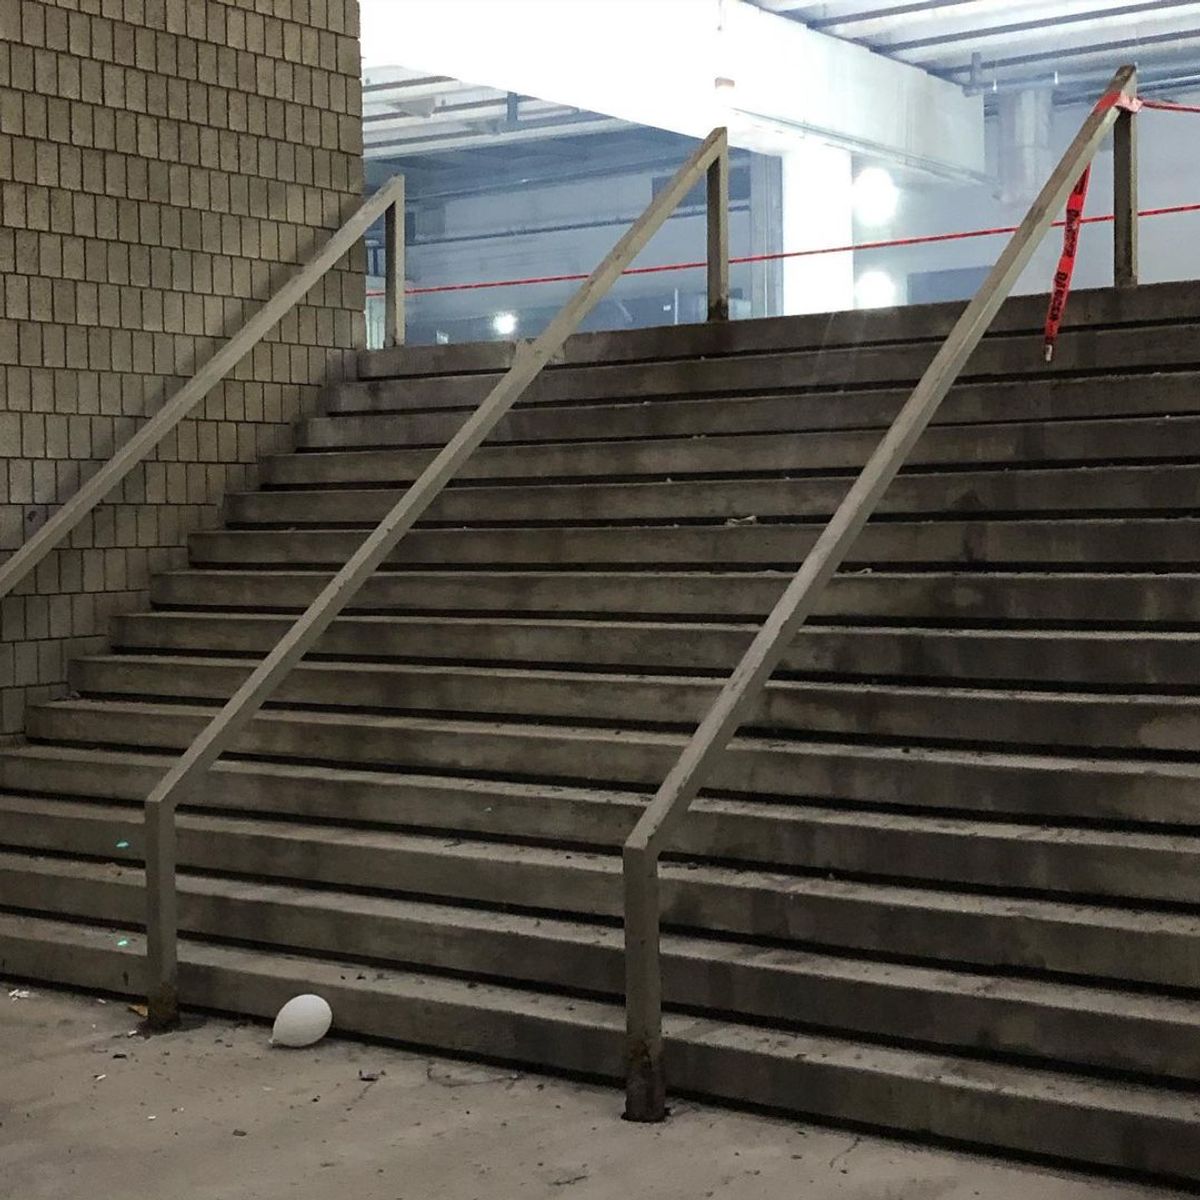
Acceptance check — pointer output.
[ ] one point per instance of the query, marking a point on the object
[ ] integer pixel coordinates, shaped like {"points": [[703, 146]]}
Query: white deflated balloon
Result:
{"points": [[302, 1021]]}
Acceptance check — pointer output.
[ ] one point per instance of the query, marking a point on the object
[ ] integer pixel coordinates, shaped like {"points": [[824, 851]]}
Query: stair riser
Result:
{"points": [[1021, 719], [1080, 599], [1034, 399], [1147, 305], [799, 1083], [783, 836], [1030, 444], [1035, 786], [1044, 543], [1066, 659], [1117, 350], [1131, 489], [797, 912], [591, 886], [915, 1006]]}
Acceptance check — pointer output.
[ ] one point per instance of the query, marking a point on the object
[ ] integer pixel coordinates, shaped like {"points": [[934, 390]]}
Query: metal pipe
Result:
{"points": [[393, 275], [52, 534], [222, 731], [718, 237], [1125, 197], [645, 1085]]}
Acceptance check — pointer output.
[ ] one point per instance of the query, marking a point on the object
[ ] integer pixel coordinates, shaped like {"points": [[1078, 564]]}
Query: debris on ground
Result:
{"points": [[139, 1010], [20, 994], [369, 1076]]}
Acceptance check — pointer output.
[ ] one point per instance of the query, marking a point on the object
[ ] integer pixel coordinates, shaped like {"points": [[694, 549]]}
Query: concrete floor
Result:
{"points": [[212, 1113]]}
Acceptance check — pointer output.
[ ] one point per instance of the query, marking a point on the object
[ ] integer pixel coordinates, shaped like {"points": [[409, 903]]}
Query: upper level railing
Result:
{"points": [[645, 1094], [712, 159]]}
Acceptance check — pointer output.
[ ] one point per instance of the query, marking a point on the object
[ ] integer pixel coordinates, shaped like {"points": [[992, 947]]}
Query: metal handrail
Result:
{"points": [[645, 1093], [161, 916], [385, 202]]}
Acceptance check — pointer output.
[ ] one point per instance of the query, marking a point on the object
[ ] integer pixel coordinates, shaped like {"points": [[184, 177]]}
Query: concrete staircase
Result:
{"points": [[947, 882]]}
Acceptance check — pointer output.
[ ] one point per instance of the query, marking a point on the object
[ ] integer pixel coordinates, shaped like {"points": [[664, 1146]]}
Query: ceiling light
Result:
{"points": [[875, 196], [875, 289]]}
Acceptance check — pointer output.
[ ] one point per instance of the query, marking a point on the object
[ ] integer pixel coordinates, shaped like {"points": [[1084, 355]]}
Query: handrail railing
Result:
{"points": [[386, 201], [645, 1094], [218, 735]]}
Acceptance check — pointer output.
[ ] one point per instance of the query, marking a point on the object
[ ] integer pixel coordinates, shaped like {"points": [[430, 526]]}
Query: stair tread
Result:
{"points": [[970, 1075], [467, 849], [482, 921], [996, 631], [174, 666], [587, 733]]}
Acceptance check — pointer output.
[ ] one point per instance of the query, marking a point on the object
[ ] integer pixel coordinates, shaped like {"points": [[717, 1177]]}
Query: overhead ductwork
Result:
{"points": [[1025, 154]]}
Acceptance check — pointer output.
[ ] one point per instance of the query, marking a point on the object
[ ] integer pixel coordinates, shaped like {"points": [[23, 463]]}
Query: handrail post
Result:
{"points": [[1125, 196], [718, 236], [645, 1076], [393, 282], [162, 957]]}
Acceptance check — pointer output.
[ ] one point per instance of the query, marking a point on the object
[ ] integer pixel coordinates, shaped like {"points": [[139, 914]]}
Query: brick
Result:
{"points": [[161, 162]]}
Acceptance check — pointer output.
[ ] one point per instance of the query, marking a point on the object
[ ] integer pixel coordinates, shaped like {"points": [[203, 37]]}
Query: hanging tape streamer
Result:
{"points": [[1061, 290]]}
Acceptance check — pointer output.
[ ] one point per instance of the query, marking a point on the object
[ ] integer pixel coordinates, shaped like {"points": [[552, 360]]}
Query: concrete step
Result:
{"points": [[1048, 399], [1078, 658], [1141, 864], [993, 932], [1157, 489], [1046, 786], [1081, 1025], [1147, 306], [1078, 720], [1116, 542], [1089, 350], [1003, 445], [960, 597], [1039, 1112]]}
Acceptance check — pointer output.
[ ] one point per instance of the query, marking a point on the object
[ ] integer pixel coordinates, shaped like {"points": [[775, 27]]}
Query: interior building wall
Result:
{"points": [[163, 166], [1170, 246]]}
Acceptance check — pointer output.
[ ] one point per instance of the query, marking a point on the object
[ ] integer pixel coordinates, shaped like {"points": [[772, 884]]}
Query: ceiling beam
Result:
{"points": [[1124, 46], [781, 81], [883, 14], [1038, 23]]}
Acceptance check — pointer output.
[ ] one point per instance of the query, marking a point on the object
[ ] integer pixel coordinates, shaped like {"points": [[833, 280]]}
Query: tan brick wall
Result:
{"points": [[163, 165]]}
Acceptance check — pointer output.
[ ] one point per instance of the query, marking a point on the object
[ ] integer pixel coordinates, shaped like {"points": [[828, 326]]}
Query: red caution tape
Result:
{"points": [[1169, 106], [1066, 263], [1061, 289]]}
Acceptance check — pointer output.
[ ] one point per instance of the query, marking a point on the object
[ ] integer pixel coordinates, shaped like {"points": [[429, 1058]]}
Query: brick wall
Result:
{"points": [[163, 164]]}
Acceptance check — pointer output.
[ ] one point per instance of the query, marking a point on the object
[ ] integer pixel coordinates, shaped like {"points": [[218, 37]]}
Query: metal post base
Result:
{"points": [[162, 1008], [645, 1087]]}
